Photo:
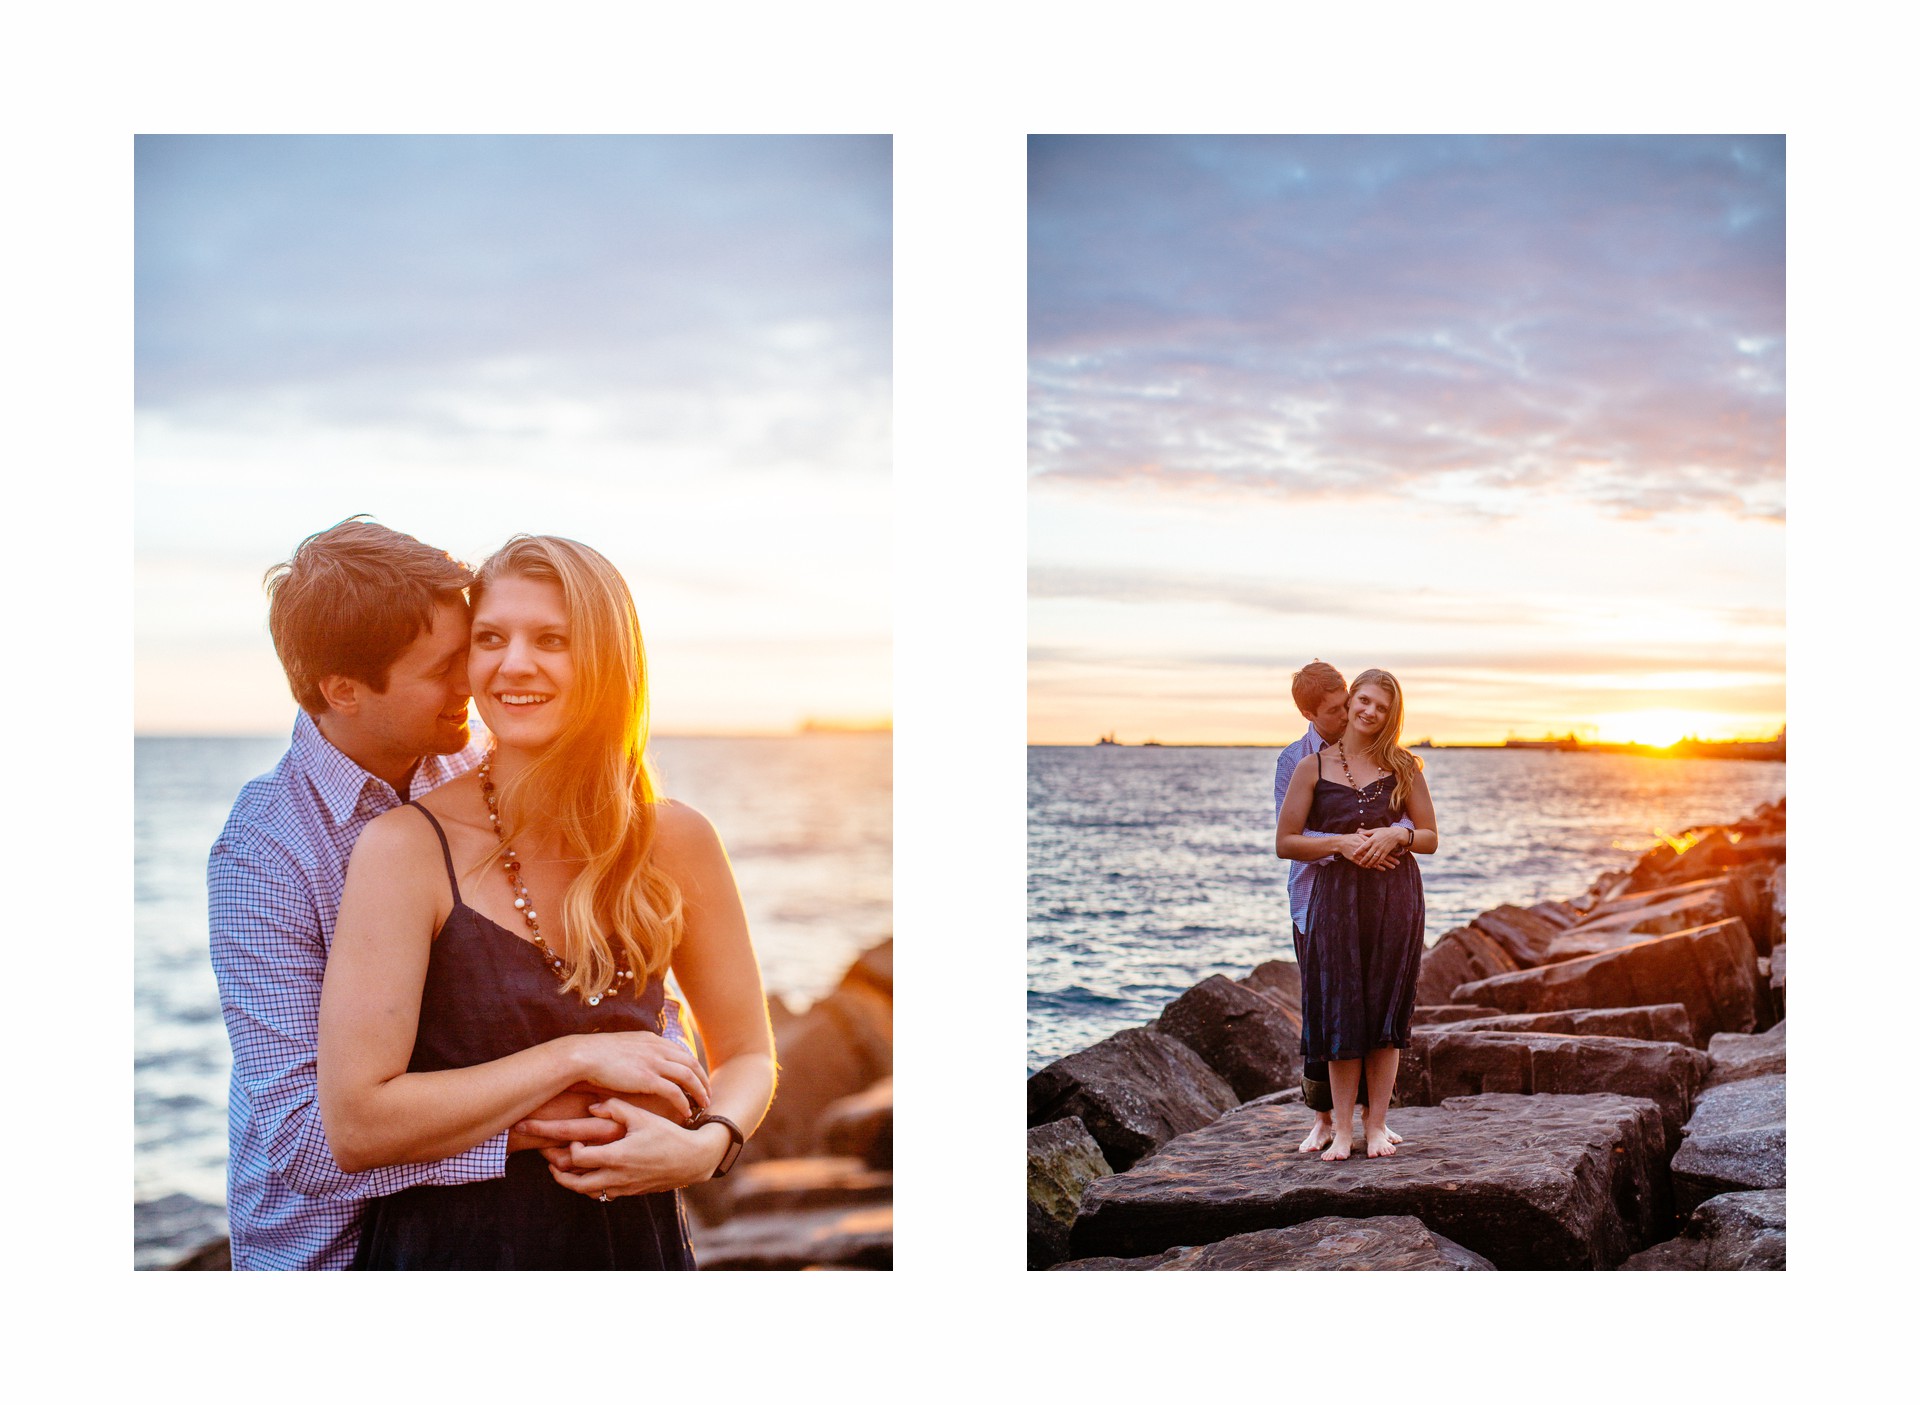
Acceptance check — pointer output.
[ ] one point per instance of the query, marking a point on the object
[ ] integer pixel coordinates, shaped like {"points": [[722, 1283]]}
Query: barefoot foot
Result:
{"points": [[1393, 1136], [1379, 1142], [1321, 1134], [1341, 1149]]}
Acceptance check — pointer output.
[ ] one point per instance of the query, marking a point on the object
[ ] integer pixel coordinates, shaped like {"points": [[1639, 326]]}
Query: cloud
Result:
{"points": [[1474, 317]]}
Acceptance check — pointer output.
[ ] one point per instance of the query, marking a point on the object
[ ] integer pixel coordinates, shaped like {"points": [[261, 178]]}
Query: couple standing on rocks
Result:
{"points": [[1352, 810]]}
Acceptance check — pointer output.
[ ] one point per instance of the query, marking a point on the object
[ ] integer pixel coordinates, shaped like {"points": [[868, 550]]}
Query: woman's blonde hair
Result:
{"points": [[1385, 748], [593, 785]]}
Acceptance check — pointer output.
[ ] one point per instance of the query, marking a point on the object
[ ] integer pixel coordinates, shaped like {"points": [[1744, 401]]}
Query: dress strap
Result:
{"points": [[445, 852]]}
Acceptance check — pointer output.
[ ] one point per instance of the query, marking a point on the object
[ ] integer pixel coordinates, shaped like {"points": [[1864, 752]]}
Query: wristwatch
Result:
{"points": [[701, 1118]]}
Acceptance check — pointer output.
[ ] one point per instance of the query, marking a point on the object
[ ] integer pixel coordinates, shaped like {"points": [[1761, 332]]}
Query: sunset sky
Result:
{"points": [[1502, 415], [675, 349]]}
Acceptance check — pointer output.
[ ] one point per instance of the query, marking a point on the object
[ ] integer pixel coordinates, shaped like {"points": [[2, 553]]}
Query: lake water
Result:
{"points": [[1150, 868], [808, 822]]}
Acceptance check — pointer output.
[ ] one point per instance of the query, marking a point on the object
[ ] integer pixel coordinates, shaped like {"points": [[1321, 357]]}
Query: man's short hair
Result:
{"points": [[351, 600], [1312, 684]]}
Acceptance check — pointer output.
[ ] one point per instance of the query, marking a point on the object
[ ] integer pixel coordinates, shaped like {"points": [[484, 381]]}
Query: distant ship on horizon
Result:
{"points": [[1107, 740]]}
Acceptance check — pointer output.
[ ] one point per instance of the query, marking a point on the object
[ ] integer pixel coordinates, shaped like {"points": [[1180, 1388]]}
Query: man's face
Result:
{"points": [[1330, 719], [423, 711]]}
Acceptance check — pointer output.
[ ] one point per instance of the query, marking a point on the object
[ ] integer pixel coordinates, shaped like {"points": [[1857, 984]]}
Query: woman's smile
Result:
{"points": [[520, 660]]}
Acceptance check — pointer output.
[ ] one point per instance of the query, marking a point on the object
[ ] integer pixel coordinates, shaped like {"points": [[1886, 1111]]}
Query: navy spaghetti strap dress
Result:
{"points": [[489, 994], [1365, 932]]}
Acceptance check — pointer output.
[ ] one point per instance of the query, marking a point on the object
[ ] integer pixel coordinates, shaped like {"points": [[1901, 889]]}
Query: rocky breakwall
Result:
{"points": [[1577, 1085]]}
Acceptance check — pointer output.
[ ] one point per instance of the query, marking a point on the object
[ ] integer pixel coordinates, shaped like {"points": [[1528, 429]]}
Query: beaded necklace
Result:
{"points": [[522, 899]]}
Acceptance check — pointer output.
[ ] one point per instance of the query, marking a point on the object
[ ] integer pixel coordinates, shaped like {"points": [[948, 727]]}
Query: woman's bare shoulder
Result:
{"points": [[399, 838], [679, 828]]}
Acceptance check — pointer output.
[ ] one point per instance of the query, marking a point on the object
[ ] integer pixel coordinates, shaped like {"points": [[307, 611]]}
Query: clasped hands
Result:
{"points": [[600, 1140], [1373, 848]]}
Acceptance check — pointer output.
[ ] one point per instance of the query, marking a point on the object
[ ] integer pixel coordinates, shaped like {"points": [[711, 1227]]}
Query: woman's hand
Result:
{"points": [[1381, 847], [635, 1061], [655, 1154]]}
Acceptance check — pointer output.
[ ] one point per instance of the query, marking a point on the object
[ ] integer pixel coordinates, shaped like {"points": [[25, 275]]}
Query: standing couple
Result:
{"points": [[1353, 809], [457, 1050]]}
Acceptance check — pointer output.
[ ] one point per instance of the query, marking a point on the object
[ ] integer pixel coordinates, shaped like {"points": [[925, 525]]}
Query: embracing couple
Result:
{"points": [[457, 1050], [1353, 810]]}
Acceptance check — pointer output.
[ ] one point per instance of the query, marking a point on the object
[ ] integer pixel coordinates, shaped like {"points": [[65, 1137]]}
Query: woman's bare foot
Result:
{"points": [[1380, 1143], [1342, 1147], [1321, 1134], [1393, 1136]]}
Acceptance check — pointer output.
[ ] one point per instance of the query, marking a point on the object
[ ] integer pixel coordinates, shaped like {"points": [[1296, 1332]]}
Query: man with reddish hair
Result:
{"points": [[1321, 695]]}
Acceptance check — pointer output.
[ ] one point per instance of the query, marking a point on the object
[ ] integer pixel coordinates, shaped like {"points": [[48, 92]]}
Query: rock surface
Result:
{"points": [[1133, 1090], [1245, 1037], [1736, 1140], [1738, 1056], [1525, 935], [1743, 1230], [1451, 1014], [1711, 971], [797, 1183], [1777, 981], [1279, 981], [1539, 1181], [1663, 1022], [1462, 955], [858, 1237], [1386, 1243], [1696, 906], [1449, 1062], [1062, 1161], [839, 1046], [861, 1125]]}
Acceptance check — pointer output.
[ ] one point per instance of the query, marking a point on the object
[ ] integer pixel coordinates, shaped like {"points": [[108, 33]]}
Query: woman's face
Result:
{"points": [[1366, 710], [520, 661]]}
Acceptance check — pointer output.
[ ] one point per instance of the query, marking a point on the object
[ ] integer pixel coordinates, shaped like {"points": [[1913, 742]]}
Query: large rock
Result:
{"points": [[860, 1236], [1450, 1014], [1695, 907], [1736, 1140], [1062, 1161], [1246, 1038], [1741, 1230], [1710, 970], [1560, 914], [1134, 1091], [797, 1183], [1710, 852], [861, 1125], [1527, 1181], [839, 1046], [1525, 935], [1279, 981], [215, 1255], [1386, 1243], [1663, 1022], [1462, 955], [1740, 1056], [1448, 1062], [1777, 981], [1777, 907]]}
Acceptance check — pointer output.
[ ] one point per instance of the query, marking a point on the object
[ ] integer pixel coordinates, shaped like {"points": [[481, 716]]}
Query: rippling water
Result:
{"points": [[1150, 868], [808, 822]]}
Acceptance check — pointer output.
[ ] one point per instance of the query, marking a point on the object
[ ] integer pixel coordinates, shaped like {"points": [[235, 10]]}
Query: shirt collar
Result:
{"points": [[341, 782], [1313, 739]]}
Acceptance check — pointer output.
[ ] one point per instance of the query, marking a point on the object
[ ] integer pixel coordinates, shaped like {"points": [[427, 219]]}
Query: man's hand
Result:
{"points": [[1379, 848], [652, 1154], [558, 1123]]}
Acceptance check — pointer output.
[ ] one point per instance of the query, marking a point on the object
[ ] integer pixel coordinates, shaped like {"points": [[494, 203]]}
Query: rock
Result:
{"points": [[1712, 850], [1777, 981], [1688, 910], [1134, 1090], [1650, 897], [217, 1255], [1244, 1036], [1777, 907], [1741, 1056], [840, 1046], [1668, 1023], [1450, 1014], [1527, 1181], [1562, 915], [874, 968], [861, 1125], [1062, 1161], [1279, 981], [1462, 955], [1524, 934], [856, 1237], [1709, 970], [1449, 1062], [795, 1183], [1741, 1230], [1736, 1140], [1385, 1243]]}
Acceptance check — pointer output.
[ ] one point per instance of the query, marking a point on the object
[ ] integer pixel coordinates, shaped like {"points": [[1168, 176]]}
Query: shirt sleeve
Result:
{"points": [[1282, 777], [269, 959]]}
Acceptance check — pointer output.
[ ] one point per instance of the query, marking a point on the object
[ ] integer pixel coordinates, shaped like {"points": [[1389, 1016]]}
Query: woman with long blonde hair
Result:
{"points": [[501, 950], [1365, 926]]}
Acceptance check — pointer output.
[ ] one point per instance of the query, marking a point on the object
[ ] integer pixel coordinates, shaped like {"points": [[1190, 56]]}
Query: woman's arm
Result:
{"points": [[374, 1111], [717, 970], [1289, 841], [1426, 834]]}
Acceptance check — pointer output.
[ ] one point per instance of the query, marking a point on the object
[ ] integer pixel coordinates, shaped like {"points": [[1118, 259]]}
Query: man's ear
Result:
{"points": [[342, 694]]}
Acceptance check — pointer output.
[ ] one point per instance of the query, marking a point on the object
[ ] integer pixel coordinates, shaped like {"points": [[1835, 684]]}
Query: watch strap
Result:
{"points": [[739, 1138]]}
